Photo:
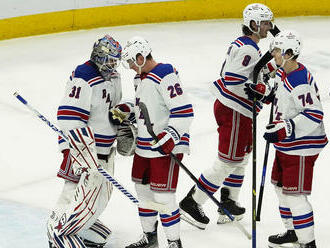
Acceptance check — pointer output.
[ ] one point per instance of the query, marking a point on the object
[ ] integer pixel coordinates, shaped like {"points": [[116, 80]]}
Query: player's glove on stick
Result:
{"points": [[167, 139], [279, 130], [259, 90], [119, 113]]}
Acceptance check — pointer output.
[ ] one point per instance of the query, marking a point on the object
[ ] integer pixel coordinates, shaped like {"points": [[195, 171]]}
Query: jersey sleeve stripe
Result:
{"points": [[234, 79], [313, 115], [72, 113], [182, 111], [231, 96], [104, 140], [307, 142]]}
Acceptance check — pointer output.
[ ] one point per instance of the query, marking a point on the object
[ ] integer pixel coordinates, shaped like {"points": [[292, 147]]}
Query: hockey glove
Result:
{"points": [[167, 139], [258, 90], [279, 130], [119, 113]]}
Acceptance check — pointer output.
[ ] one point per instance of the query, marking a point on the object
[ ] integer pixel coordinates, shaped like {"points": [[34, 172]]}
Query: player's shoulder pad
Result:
{"points": [[161, 71], [298, 76], [245, 41], [89, 73]]}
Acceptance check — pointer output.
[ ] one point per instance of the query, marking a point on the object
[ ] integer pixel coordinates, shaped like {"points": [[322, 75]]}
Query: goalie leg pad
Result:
{"points": [[98, 233], [83, 150]]}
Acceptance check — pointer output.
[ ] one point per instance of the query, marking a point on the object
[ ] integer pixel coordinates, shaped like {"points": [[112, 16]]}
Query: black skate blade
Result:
{"points": [[186, 217]]}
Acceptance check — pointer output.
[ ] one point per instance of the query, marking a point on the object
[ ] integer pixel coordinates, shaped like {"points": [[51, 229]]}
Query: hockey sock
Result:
{"points": [[234, 182], [284, 209], [302, 216], [210, 179], [170, 221], [148, 217]]}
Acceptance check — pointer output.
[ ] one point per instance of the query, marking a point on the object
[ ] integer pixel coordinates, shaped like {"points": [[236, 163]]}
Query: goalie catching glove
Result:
{"points": [[126, 139], [167, 139], [279, 130]]}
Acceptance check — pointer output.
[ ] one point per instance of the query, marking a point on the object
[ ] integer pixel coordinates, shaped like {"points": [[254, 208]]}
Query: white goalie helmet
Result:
{"points": [[286, 40], [136, 45], [256, 12]]}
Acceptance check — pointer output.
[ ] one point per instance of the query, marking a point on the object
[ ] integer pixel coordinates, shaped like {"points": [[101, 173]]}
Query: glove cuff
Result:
{"points": [[173, 133], [289, 127]]}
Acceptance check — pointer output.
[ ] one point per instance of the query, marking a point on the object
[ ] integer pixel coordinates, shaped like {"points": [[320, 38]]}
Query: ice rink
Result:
{"points": [[38, 67]]}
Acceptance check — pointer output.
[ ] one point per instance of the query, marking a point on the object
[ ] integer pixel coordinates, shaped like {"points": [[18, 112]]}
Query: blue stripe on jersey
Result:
{"points": [[232, 97], [67, 107], [153, 79], [314, 115]]}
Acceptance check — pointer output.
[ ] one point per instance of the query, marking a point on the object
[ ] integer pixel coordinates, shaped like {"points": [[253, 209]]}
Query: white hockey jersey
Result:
{"points": [[237, 69], [86, 102], [168, 105], [297, 98]]}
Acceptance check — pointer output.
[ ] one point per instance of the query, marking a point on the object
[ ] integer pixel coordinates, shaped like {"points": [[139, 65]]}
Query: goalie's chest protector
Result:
{"points": [[86, 102]]}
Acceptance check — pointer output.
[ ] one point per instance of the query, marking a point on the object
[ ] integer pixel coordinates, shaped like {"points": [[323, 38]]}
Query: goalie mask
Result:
{"points": [[106, 55], [126, 139]]}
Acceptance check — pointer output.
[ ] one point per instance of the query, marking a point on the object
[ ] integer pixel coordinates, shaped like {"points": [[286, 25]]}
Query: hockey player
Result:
{"points": [[233, 113], [154, 172], [298, 136], [93, 88]]}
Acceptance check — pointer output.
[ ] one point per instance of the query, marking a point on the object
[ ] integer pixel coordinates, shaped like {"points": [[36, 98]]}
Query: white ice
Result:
{"points": [[38, 67]]}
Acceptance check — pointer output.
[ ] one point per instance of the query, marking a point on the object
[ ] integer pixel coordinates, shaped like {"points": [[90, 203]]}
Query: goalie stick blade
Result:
{"points": [[184, 216]]}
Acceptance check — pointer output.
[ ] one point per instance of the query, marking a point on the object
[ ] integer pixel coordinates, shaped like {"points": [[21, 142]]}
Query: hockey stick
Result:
{"points": [[262, 62], [60, 132], [150, 130], [262, 183]]}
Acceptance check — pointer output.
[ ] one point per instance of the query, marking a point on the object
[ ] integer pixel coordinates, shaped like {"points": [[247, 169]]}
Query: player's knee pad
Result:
{"points": [[298, 203], [144, 192], [167, 200], [217, 173]]}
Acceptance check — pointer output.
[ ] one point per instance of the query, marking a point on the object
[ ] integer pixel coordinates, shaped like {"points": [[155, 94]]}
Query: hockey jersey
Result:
{"points": [[237, 69], [86, 102], [297, 98], [167, 104]]}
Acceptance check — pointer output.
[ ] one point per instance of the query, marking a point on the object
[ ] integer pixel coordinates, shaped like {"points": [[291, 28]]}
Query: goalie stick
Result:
{"points": [[150, 130], [261, 63], [104, 173]]}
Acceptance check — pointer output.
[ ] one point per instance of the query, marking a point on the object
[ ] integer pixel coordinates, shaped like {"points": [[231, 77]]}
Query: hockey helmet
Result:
{"points": [[135, 46], [106, 54], [286, 40], [256, 12]]}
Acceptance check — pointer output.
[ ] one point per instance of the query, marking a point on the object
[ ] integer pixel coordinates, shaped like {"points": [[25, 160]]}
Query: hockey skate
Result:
{"points": [[148, 240], [174, 244], [309, 245], [279, 240], [192, 212], [231, 206], [90, 244]]}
